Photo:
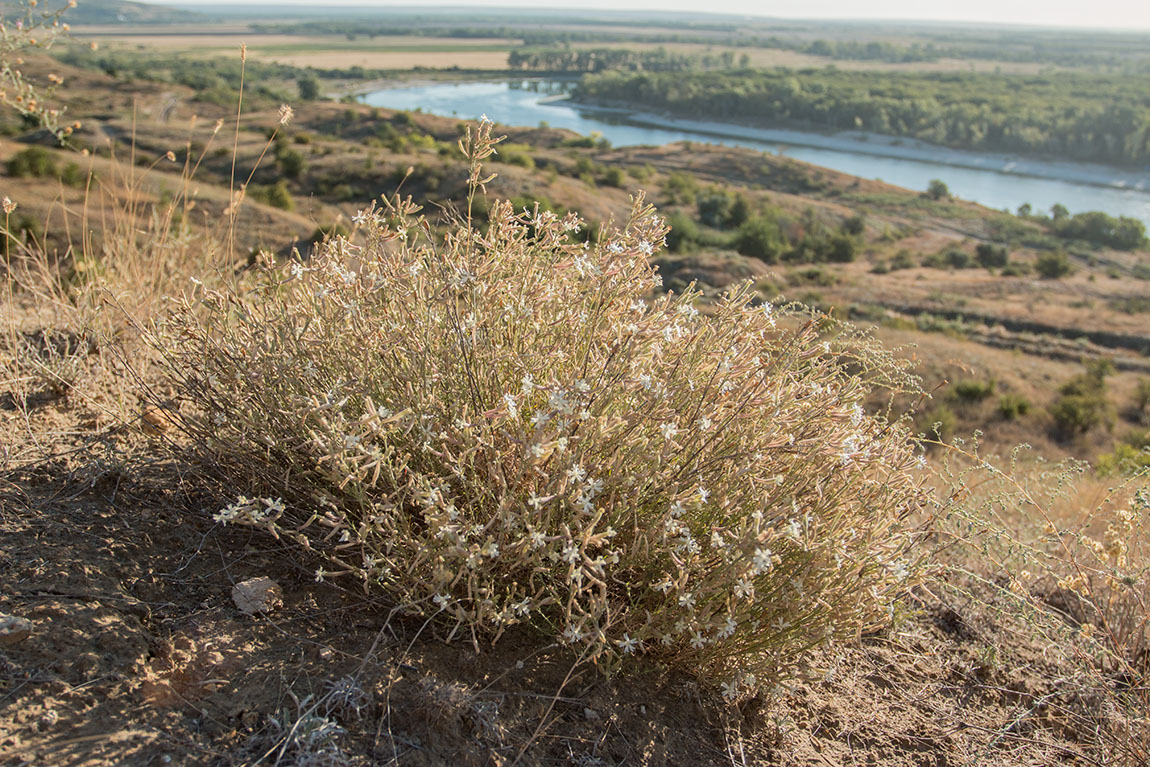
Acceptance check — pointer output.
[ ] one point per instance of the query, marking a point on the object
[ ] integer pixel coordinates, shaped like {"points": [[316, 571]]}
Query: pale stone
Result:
{"points": [[257, 595]]}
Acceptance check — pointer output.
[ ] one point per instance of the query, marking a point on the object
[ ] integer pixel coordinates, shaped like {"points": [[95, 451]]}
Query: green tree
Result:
{"points": [[308, 87], [937, 189], [759, 237]]}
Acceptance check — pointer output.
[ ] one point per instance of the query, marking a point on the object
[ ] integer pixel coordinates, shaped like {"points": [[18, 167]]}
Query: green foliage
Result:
{"points": [[971, 390], [33, 162], [276, 195], [1053, 265], [759, 237], [939, 423], [1083, 403], [291, 163], [1097, 228], [1126, 460], [684, 233], [1013, 406], [1077, 115], [991, 256], [855, 225], [949, 258], [1142, 397], [937, 190], [308, 87], [904, 259], [679, 188], [615, 176]]}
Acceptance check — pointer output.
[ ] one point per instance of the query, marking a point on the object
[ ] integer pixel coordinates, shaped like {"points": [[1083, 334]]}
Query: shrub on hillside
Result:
{"points": [[759, 237], [1013, 406], [1053, 265], [991, 256], [507, 427], [971, 390], [1082, 404]]}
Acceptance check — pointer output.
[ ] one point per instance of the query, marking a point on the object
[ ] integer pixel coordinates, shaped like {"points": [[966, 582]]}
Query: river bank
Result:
{"points": [[999, 181], [880, 145]]}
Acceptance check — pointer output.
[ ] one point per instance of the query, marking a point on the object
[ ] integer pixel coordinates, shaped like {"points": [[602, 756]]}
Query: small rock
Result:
{"points": [[590, 715], [157, 419], [257, 595], [13, 629]]}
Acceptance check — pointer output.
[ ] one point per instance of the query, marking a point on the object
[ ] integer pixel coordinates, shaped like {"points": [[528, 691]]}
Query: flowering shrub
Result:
{"points": [[504, 427]]}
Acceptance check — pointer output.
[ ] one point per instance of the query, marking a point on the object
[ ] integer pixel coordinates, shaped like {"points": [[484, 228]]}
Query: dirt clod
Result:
{"points": [[257, 595], [13, 629]]}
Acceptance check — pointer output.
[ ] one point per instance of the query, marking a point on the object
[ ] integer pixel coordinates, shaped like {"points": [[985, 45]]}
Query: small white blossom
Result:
{"points": [[627, 644], [762, 560]]}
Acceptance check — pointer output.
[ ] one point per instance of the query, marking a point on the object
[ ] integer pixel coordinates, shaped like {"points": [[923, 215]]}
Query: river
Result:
{"points": [[993, 180]]}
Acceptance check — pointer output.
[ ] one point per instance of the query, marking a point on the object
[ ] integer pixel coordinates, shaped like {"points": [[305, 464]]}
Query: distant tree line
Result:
{"points": [[1068, 115], [565, 59]]}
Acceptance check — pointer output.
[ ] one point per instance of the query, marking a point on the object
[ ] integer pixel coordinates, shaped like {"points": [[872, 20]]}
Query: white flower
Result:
{"points": [[920, 462], [645, 380], [677, 509], [639, 305], [576, 473], [686, 599], [527, 385], [490, 550], [511, 404], [536, 501], [538, 539], [730, 689], [646, 248], [664, 585], [627, 644], [704, 494], [728, 628], [536, 450], [769, 313], [668, 430], [794, 529], [585, 505], [320, 574], [697, 640], [705, 424], [571, 553], [572, 634], [441, 601], [762, 560], [744, 589]]}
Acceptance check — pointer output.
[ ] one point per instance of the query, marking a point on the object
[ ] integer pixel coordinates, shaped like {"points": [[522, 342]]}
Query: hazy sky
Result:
{"points": [[1117, 14]]}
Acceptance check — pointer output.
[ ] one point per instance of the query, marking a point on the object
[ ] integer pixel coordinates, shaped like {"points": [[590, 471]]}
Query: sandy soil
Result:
{"points": [[139, 657]]}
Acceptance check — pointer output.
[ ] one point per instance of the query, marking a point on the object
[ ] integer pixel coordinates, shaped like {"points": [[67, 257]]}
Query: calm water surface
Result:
{"points": [[996, 181]]}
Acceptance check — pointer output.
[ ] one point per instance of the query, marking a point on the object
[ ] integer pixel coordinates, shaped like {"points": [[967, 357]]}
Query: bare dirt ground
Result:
{"points": [[138, 656]]}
